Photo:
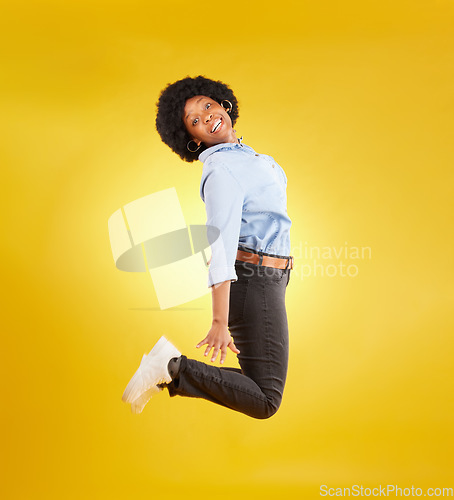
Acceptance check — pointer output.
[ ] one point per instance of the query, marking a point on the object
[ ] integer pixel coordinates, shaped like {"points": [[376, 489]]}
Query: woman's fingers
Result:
{"points": [[209, 346], [216, 348], [215, 354], [233, 348], [202, 342], [223, 354], [223, 350]]}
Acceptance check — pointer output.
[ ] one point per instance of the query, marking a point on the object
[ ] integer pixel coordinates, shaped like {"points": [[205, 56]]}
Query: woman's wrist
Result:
{"points": [[221, 299], [220, 322]]}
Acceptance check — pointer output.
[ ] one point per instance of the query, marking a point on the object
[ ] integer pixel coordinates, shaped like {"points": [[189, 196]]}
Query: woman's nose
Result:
{"points": [[208, 117]]}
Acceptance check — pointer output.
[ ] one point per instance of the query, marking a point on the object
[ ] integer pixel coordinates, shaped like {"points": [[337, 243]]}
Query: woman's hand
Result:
{"points": [[218, 339]]}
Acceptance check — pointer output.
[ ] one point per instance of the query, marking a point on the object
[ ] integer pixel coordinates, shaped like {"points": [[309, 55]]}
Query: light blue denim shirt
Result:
{"points": [[245, 198]]}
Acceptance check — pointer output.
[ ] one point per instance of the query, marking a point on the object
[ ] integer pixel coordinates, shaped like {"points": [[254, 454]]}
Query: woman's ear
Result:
{"points": [[191, 148]]}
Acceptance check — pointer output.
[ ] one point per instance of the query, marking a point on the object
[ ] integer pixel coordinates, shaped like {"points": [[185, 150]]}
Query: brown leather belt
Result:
{"points": [[265, 260]]}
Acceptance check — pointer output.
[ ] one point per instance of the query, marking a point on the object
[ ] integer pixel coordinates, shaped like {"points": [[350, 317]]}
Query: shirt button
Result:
{"points": [[256, 154], [274, 165]]}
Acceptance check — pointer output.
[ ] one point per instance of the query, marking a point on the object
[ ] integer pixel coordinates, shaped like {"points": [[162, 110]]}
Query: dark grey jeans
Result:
{"points": [[258, 325]]}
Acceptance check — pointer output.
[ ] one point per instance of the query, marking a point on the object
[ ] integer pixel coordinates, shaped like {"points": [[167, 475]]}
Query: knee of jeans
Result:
{"points": [[269, 409]]}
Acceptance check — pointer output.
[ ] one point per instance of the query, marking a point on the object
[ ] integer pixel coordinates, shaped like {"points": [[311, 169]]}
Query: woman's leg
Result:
{"points": [[258, 324]]}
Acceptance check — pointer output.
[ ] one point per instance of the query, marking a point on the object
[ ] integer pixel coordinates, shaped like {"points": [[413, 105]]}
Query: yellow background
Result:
{"points": [[354, 100]]}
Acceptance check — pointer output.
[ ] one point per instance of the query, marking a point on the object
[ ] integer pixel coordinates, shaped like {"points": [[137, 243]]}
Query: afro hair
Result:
{"points": [[169, 119]]}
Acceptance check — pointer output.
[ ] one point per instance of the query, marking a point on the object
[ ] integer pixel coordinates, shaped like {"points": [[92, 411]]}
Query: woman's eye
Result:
{"points": [[195, 121], [208, 105]]}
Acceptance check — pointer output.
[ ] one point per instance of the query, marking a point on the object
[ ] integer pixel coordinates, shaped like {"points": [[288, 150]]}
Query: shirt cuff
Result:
{"points": [[220, 274]]}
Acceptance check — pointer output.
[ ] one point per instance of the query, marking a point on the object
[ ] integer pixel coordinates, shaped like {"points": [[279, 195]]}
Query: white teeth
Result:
{"points": [[218, 124]]}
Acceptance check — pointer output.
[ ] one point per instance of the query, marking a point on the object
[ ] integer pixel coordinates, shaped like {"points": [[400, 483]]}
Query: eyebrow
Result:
{"points": [[198, 100]]}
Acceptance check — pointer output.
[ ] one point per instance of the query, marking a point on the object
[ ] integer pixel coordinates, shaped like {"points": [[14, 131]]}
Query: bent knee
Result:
{"points": [[268, 409]]}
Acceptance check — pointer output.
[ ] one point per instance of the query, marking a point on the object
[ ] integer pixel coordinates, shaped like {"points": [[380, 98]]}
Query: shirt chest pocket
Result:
{"points": [[274, 171]]}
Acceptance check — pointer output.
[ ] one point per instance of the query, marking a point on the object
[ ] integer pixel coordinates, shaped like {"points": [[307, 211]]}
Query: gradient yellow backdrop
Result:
{"points": [[354, 99]]}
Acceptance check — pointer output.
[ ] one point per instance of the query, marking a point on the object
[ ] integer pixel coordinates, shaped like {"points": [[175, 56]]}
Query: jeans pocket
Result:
{"points": [[238, 292], [273, 275]]}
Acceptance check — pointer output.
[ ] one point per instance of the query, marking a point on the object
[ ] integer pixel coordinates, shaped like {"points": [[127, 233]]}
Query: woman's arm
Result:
{"points": [[218, 338], [223, 197]]}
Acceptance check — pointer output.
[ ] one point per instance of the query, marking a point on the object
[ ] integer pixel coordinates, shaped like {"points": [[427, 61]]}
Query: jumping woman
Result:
{"points": [[245, 199]]}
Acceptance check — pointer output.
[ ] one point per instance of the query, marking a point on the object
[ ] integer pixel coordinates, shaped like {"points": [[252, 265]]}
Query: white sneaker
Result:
{"points": [[151, 372], [139, 404]]}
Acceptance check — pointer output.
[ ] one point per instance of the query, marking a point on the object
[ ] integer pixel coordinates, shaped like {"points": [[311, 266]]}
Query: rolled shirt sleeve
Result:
{"points": [[223, 197]]}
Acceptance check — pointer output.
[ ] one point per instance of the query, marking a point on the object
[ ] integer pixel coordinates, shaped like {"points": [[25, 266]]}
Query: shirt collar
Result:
{"points": [[224, 146]]}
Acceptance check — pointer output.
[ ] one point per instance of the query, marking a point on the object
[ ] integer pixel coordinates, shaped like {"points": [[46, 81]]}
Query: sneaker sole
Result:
{"points": [[138, 385], [139, 404]]}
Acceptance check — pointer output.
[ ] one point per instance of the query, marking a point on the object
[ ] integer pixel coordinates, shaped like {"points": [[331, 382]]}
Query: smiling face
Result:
{"points": [[207, 121]]}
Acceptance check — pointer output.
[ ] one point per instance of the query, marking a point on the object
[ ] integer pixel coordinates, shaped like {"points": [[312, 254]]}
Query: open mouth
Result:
{"points": [[216, 125]]}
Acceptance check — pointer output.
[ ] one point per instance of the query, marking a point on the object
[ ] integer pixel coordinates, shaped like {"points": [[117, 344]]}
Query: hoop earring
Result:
{"points": [[193, 150], [229, 109]]}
